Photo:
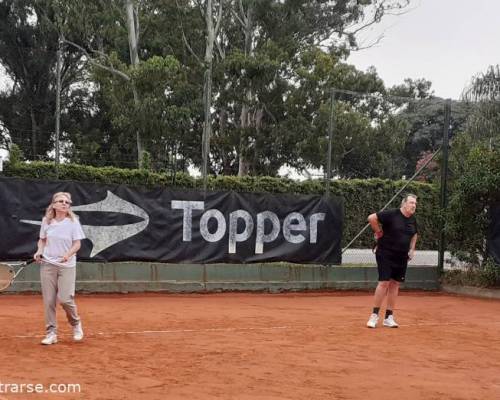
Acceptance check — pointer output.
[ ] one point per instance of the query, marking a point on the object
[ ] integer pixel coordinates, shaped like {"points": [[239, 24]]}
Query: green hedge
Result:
{"points": [[475, 190], [361, 197]]}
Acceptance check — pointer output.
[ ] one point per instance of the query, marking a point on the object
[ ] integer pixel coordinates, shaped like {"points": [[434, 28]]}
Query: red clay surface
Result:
{"points": [[256, 346]]}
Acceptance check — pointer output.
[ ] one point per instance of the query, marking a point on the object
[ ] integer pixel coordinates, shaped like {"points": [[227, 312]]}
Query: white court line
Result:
{"points": [[166, 331], [242, 329]]}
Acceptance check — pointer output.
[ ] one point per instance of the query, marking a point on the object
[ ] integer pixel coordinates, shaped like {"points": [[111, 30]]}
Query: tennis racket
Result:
{"points": [[8, 273]]}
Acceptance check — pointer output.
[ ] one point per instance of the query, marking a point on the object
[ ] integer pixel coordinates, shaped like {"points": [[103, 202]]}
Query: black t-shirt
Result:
{"points": [[398, 230]]}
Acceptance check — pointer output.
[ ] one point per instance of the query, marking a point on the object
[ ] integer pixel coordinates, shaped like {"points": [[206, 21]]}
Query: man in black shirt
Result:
{"points": [[396, 234]]}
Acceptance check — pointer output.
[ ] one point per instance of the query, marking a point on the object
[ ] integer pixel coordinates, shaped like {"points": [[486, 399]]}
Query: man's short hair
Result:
{"points": [[407, 196]]}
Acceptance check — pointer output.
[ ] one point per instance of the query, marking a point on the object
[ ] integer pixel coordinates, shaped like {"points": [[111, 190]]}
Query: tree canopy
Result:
{"points": [[134, 79]]}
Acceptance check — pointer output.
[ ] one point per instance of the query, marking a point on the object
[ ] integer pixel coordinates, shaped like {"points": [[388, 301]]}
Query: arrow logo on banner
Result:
{"points": [[103, 237]]}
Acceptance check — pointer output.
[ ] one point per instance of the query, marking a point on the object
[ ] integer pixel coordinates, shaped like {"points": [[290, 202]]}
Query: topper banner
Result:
{"points": [[123, 223]]}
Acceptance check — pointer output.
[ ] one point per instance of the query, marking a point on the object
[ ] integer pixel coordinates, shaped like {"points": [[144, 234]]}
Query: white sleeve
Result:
{"points": [[43, 229], [77, 233]]}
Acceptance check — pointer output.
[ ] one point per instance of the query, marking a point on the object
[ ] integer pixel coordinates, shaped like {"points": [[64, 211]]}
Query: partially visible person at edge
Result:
{"points": [[60, 236], [396, 234]]}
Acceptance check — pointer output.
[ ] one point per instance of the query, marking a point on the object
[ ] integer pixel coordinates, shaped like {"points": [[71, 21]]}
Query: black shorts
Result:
{"points": [[391, 265]]}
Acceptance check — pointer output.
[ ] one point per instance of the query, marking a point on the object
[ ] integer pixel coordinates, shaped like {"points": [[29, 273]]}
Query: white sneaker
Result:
{"points": [[77, 332], [372, 322], [51, 338], [390, 323]]}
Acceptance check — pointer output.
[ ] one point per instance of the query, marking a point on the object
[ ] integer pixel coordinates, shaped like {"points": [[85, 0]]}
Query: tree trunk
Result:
{"points": [[244, 163], [34, 133], [132, 32], [207, 90], [226, 160], [245, 118], [58, 100], [140, 148], [133, 40], [259, 115], [207, 124]]}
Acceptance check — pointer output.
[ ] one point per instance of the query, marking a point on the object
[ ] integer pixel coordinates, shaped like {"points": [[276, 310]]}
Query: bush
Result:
{"points": [[487, 275], [360, 197], [474, 191], [15, 155]]}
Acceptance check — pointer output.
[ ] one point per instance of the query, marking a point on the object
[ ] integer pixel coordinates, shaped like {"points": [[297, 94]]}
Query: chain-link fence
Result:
{"points": [[330, 134]]}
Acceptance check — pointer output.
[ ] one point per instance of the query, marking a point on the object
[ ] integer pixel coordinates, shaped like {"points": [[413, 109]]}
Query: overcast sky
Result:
{"points": [[444, 41]]}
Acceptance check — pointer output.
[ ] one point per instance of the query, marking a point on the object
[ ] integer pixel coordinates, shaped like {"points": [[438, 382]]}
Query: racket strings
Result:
{"points": [[6, 276]]}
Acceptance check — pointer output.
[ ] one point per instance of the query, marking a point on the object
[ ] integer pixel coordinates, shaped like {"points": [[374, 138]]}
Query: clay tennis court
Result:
{"points": [[257, 346]]}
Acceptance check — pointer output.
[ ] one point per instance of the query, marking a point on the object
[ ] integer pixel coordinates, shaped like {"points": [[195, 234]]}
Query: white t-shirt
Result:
{"points": [[60, 236]]}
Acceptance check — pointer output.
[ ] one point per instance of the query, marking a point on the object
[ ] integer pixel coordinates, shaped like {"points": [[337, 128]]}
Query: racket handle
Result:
{"points": [[32, 260]]}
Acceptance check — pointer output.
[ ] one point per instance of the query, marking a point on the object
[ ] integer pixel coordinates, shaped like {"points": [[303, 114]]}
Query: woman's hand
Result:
{"points": [[65, 258], [37, 256]]}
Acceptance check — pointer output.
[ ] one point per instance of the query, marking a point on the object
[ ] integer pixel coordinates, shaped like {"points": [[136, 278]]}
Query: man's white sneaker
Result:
{"points": [[51, 338], [372, 322], [77, 332], [390, 323]]}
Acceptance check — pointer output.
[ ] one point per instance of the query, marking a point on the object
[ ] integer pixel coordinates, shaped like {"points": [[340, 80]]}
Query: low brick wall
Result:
{"points": [[274, 277]]}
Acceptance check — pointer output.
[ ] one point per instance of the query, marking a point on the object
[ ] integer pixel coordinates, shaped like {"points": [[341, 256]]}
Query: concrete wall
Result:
{"points": [[275, 277]]}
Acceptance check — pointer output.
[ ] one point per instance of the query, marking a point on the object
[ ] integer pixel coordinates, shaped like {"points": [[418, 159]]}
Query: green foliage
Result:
{"points": [[15, 155], [485, 86], [487, 275], [275, 83], [363, 197], [475, 168], [146, 160], [289, 111], [421, 122], [273, 72], [474, 191], [360, 197], [154, 103], [28, 54]]}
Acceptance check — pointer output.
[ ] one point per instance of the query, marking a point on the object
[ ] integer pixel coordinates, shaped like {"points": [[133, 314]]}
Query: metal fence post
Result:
{"points": [[330, 143], [444, 181]]}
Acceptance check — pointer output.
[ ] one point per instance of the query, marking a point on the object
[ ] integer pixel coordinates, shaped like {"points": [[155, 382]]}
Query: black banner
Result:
{"points": [[493, 241], [134, 224]]}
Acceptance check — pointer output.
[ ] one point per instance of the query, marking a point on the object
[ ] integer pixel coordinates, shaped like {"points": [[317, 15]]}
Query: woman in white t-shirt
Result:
{"points": [[60, 237]]}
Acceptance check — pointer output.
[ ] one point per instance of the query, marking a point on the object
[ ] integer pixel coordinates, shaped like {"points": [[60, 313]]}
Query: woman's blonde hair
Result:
{"points": [[50, 213]]}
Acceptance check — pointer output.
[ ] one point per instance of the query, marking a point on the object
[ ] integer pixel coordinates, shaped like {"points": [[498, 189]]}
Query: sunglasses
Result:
{"points": [[63, 201]]}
